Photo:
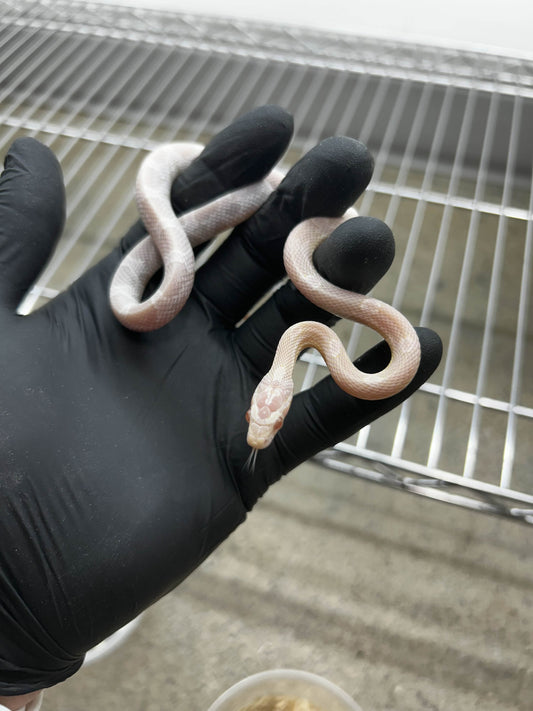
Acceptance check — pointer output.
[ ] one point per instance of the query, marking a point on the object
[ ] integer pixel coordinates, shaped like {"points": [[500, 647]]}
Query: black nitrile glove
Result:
{"points": [[122, 454]]}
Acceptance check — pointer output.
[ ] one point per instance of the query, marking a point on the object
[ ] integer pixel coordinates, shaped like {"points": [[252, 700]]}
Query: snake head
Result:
{"points": [[270, 404]]}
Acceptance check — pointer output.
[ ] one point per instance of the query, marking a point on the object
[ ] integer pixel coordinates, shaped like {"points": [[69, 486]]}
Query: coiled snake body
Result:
{"points": [[170, 241]]}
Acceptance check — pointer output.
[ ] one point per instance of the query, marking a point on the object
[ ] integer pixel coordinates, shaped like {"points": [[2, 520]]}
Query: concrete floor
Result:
{"points": [[406, 603]]}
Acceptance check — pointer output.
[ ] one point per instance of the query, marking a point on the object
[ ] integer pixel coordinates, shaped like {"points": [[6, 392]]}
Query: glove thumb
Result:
{"points": [[32, 215]]}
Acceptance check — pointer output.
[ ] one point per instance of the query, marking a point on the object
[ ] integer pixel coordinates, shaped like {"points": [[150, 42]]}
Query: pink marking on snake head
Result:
{"points": [[270, 403]]}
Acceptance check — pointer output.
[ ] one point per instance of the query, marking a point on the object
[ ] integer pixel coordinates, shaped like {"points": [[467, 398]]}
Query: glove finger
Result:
{"points": [[32, 215], [325, 182], [355, 257], [241, 154]]}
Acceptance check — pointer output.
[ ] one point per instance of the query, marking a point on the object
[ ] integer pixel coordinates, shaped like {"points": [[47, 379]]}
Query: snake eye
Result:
{"points": [[248, 416], [278, 424]]}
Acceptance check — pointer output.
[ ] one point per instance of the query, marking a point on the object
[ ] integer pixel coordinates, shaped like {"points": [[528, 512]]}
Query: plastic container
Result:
{"points": [[286, 682]]}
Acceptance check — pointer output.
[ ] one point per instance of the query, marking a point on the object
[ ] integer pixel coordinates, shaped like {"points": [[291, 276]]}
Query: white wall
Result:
{"points": [[504, 26]]}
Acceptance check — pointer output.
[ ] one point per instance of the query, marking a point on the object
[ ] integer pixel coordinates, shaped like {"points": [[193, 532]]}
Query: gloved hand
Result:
{"points": [[122, 454]]}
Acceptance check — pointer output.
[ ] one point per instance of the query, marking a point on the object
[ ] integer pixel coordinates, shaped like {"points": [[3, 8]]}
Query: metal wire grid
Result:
{"points": [[449, 132]]}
